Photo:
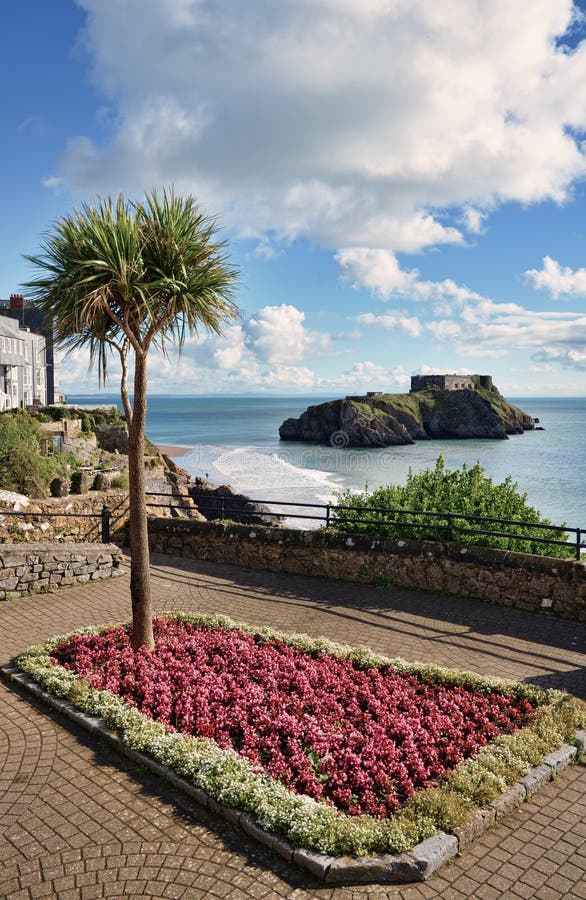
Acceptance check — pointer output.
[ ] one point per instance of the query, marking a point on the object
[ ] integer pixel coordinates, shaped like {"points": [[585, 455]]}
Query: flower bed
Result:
{"points": [[364, 739], [334, 748]]}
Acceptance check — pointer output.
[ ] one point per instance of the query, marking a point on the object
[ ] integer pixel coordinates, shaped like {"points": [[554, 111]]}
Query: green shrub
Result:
{"points": [[22, 469], [17, 427], [120, 482], [22, 466], [89, 417], [468, 491]]}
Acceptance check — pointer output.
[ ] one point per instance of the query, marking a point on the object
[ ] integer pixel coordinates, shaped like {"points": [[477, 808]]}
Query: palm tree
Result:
{"points": [[122, 276]]}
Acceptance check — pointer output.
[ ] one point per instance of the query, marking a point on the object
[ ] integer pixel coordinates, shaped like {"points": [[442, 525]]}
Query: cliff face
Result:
{"points": [[344, 423], [387, 419]]}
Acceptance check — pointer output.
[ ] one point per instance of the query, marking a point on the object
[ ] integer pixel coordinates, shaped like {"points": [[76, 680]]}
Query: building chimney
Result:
{"points": [[16, 301]]}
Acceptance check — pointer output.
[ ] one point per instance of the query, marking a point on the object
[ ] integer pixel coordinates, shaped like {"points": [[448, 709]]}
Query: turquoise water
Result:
{"points": [[235, 440]]}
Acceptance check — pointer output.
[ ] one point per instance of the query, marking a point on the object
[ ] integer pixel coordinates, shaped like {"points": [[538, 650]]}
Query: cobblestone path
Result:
{"points": [[78, 821]]}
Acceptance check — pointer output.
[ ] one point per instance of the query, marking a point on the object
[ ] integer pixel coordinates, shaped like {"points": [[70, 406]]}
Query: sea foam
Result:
{"points": [[265, 477]]}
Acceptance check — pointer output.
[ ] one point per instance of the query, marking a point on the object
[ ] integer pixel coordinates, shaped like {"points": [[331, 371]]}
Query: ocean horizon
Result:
{"points": [[235, 440]]}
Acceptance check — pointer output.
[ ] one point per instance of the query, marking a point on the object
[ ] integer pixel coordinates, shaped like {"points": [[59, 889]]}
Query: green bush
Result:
{"points": [[17, 427], [89, 417], [22, 469], [22, 466], [120, 482], [468, 491]]}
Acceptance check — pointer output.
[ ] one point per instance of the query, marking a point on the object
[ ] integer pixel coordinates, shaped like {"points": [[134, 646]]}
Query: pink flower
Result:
{"points": [[361, 739]]}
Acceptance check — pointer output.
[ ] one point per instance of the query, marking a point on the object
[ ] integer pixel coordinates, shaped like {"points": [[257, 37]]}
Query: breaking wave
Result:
{"points": [[266, 477]]}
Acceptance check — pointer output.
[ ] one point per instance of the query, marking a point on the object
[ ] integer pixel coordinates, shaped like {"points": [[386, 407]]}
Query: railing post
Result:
{"points": [[221, 509], [578, 543], [450, 535], [328, 509], [105, 524]]}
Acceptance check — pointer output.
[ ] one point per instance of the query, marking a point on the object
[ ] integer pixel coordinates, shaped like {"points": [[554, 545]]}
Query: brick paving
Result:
{"points": [[78, 821]]}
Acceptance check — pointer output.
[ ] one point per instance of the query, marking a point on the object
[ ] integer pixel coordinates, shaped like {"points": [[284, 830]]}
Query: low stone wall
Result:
{"points": [[78, 517], [511, 579], [36, 568], [41, 520]]}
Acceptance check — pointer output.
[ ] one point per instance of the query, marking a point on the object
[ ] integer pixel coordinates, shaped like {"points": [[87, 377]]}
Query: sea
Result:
{"points": [[235, 440]]}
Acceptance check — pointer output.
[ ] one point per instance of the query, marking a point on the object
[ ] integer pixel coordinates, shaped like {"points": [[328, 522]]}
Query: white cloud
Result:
{"points": [[473, 219], [230, 348], [392, 322], [574, 358], [444, 329], [478, 352], [557, 279], [217, 351], [534, 329], [351, 122], [289, 376], [368, 375], [348, 336], [483, 309], [377, 270], [473, 325], [276, 334], [380, 271]]}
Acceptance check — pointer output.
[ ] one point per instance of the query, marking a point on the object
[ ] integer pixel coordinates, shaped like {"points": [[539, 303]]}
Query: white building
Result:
{"points": [[23, 366], [28, 318]]}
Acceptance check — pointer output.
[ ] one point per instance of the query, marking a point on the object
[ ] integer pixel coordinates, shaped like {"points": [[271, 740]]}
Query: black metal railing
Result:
{"points": [[104, 520], [446, 525], [450, 526]]}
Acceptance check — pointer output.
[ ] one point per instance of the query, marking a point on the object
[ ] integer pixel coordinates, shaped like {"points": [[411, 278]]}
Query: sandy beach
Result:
{"points": [[172, 450]]}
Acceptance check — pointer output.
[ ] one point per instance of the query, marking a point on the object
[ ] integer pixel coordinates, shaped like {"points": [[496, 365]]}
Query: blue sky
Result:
{"points": [[402, 184]]}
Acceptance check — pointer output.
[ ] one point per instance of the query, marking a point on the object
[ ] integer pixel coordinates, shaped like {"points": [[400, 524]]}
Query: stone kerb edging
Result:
{"points": [[416, 865]]}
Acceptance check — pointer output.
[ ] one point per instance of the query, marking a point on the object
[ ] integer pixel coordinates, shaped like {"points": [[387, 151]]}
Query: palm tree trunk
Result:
{"points": [[123, 351], [140, 582]]}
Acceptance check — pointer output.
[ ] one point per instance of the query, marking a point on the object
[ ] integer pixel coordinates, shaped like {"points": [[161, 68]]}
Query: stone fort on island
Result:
{"points": [[450, 382]]}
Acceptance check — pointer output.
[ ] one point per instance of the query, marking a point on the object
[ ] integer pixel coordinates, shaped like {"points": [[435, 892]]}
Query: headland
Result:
{"points": [[437, 406]]}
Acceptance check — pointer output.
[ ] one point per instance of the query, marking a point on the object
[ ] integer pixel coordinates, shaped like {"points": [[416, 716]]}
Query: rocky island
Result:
{"points": [[437, 406]]}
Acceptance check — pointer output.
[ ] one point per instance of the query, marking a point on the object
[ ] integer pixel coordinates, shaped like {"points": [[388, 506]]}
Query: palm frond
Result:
{"points": [[150, 272]]}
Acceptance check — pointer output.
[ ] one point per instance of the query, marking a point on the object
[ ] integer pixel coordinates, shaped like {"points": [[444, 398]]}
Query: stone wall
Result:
{"points": [[496, 576], [444, 382], [36, 568], [78, 517], [41, 520], [113, 438]]}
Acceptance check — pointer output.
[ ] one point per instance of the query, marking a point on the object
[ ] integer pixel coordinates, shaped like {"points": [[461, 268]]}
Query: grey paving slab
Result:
{"points": [[79, 821]]}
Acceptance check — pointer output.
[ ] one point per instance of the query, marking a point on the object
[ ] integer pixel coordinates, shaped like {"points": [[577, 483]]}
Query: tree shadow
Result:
{"points": [[540, 647]]}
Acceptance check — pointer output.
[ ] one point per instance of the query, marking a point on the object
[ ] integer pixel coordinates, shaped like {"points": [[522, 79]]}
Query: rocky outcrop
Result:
{"points": [[344, 423], [222, 502], [217, 502], [382, 420]]}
